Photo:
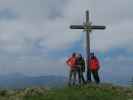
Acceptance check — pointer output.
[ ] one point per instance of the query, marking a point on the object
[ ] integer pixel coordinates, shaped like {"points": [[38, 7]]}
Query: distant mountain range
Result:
{"points": [[18, 80]]}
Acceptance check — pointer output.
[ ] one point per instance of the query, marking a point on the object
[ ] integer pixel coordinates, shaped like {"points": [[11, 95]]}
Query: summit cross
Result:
{"points": [[87, 27]]}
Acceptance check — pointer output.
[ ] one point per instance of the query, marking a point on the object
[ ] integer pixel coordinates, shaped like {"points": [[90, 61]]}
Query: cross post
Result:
{"points": [[87, 27], [88, 30]]}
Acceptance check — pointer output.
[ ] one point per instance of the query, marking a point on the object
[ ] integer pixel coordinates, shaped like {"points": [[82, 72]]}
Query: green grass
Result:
{"points": [[90, 92]]}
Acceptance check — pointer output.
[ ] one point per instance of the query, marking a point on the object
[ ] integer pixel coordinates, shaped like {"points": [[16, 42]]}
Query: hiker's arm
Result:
{"points": [[67, 62], [98, 63]]}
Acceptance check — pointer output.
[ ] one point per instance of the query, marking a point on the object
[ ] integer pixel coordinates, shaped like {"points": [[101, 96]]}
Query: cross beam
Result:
{"points": [[88, 27], [84, 27]]}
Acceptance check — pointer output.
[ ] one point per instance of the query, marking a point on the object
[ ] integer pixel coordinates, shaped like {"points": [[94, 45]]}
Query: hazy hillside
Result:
{"points": [[17, 80], [88, 92]]}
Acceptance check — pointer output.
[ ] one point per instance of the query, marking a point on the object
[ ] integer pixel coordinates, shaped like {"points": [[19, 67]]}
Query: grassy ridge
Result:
{"points": [[88, 92]]}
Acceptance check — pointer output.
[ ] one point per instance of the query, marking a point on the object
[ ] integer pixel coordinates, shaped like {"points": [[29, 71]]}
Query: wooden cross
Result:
{"points": [[88, 27]]}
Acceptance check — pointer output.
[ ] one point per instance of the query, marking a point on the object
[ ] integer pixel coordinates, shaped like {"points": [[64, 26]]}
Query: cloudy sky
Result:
{"points": [[35, 38]]}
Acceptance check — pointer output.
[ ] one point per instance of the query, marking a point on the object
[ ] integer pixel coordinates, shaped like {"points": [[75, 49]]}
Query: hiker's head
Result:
{"points": [[92, 54], [73, 54], [78, 55]]}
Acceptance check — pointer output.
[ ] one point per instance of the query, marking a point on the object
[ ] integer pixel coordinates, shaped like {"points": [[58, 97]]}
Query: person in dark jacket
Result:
{"points": [[81, 70], [94, 66]]}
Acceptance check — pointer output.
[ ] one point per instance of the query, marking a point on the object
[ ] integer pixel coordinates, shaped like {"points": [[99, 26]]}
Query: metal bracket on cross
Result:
{"points": [[87, 26]]}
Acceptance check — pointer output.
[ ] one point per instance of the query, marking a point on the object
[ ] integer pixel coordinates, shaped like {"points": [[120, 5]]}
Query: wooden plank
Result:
{"points": [[98, 27], [77, 27]]}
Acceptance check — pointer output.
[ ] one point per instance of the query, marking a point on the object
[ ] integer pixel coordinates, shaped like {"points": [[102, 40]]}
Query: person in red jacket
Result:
{"points": [[72, 63], [94, 67]]}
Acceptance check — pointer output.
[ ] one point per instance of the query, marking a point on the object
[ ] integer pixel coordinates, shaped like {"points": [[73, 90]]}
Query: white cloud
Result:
{"points": [[48, 22], [117, 35], [34, 22], [31, 65]]}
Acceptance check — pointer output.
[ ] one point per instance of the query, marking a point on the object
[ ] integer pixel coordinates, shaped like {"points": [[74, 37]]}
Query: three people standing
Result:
{"points": [[76, 64]]}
